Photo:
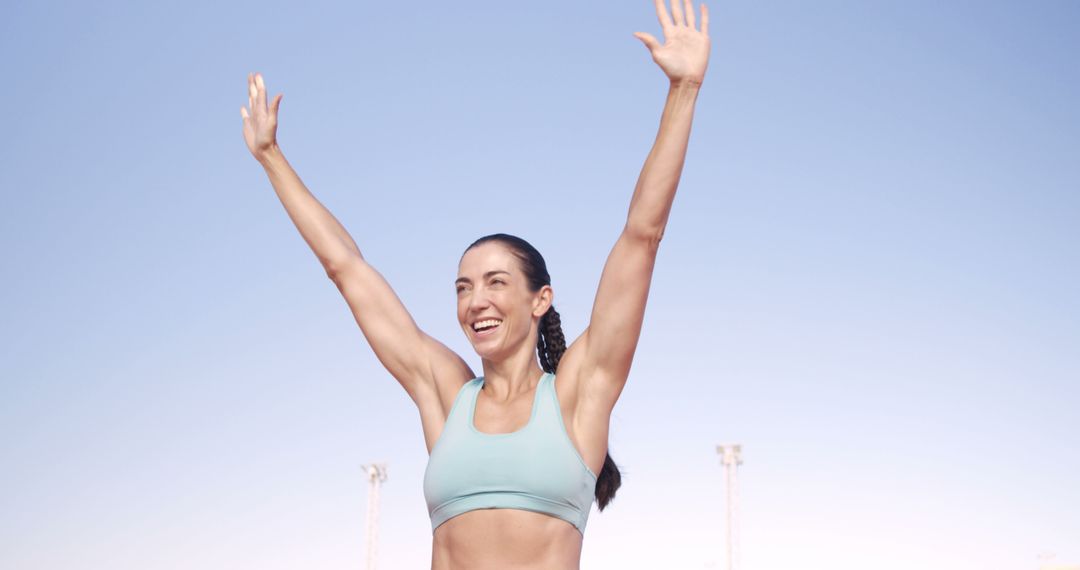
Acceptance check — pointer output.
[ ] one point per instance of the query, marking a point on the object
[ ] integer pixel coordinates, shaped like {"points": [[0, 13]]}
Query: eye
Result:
{"points": [[498, 281]]}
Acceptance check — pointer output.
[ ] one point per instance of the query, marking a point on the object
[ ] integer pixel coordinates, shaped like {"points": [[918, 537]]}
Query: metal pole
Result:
{"points": [[731, 458], [376, 474]]}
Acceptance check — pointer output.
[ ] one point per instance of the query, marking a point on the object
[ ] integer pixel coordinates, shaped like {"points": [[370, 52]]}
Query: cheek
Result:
{"points": [[522, 311], [462, 308]]}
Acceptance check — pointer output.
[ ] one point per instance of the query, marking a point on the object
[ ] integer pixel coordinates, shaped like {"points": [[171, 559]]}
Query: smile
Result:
{"points": [[486, 327]]}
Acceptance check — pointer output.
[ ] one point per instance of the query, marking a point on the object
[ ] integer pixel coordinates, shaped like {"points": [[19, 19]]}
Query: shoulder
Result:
{"points": [[451, 389]]}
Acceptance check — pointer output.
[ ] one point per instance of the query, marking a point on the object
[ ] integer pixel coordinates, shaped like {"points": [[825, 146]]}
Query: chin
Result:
{"points": [[489, 353], [482, 353]]}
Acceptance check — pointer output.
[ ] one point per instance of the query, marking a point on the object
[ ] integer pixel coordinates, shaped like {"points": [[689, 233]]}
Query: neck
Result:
{"points": [[507, 378]]}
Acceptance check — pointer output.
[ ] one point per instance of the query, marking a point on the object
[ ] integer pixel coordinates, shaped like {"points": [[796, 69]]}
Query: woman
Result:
{"points": [[514, 453]]}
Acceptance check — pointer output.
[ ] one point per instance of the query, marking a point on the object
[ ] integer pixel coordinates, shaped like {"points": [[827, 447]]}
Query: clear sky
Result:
{"points": [[869, 278]]}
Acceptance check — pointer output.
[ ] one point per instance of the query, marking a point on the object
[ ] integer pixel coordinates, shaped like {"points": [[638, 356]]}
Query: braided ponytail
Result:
{"points": [[551, 344]]}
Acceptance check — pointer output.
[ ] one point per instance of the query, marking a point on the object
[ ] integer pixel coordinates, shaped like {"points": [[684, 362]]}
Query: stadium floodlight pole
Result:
{"points": [[731, 458], [376, 474]]}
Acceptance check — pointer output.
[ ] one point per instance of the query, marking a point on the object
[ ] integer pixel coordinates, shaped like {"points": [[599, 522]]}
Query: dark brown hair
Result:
{"points": [[551, 344]]}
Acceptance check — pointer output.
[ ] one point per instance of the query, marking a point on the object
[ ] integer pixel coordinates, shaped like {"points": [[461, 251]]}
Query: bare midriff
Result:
{"points": [[497, 539]]}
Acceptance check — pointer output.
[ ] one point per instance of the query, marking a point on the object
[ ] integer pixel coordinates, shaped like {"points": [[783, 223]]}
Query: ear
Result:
{"points": [[542, 301]]}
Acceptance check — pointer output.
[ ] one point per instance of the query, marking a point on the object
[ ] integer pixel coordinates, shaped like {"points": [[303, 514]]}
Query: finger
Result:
{"points": [[704, 19], [261, 97], [243, 113], [662, 14], [690, 19], [649, 41], [680, 20], [276, 105], [251, 92]]}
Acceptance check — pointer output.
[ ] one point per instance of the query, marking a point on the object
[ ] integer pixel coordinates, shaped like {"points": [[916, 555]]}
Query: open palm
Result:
{"points": [[260, 122], [684, 55]]}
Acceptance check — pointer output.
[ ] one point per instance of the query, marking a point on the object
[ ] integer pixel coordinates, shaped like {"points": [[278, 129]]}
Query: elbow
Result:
{"points": [[335, 267], [647, 234]]}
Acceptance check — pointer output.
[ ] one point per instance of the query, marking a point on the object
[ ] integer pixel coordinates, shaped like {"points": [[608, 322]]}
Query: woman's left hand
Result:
{"points": [[685, 54]]}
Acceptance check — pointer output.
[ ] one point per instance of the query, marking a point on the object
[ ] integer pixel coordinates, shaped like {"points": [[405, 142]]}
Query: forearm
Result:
{"points": [[655, 190], [319, 228]]}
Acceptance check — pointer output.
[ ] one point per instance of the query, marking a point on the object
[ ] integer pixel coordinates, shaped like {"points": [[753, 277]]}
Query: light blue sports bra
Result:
{"points": [[536, 468]]}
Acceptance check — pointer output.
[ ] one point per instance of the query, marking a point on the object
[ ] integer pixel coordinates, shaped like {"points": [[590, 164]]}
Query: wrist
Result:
{"points": [[687, 83], [683, 93], [269, 155]]}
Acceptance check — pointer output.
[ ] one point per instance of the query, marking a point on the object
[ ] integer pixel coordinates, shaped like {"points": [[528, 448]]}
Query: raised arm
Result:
{"points": [[619, 309], [411, 356]]}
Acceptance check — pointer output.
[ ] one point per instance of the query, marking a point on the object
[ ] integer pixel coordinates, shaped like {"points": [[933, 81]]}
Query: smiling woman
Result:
{"points": [[518, 454], [498, 311]]}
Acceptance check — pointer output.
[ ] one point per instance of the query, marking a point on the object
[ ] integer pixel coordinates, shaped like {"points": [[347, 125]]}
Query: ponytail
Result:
{"points": [[550, 343]]}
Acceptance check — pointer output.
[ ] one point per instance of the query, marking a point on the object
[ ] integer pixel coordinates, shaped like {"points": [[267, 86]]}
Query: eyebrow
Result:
{"points": [[486, 275]]}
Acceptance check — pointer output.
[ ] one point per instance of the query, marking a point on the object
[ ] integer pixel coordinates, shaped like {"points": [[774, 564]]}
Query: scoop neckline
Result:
{"points": [[532, 414]]}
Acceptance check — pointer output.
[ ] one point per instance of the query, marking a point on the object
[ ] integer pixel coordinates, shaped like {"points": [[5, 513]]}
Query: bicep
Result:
{"points": [[416, 360], [619, 310]]}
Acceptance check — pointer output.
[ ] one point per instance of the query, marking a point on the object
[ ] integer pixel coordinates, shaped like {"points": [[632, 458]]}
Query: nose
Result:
{"points": [[478, 301]]}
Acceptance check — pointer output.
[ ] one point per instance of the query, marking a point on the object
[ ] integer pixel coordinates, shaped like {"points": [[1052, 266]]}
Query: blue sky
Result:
{"points": [[869, 277]]}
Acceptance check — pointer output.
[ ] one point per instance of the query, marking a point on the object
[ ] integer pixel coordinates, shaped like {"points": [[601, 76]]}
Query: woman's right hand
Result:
{"points": [[260, 123]]}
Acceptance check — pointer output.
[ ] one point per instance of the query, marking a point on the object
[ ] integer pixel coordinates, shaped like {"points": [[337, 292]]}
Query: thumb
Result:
{"points": [[277, 103], [649, 41]]}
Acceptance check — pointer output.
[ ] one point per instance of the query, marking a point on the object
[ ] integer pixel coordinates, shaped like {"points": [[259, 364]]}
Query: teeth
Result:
{"points": [[488, 323]]}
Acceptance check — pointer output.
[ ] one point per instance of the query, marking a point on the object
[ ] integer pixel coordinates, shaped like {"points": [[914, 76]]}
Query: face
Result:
{"points": [[493, 295]]}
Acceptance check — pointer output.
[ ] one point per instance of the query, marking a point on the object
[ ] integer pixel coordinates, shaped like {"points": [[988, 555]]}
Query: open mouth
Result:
{"points": [[486, 327]]}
